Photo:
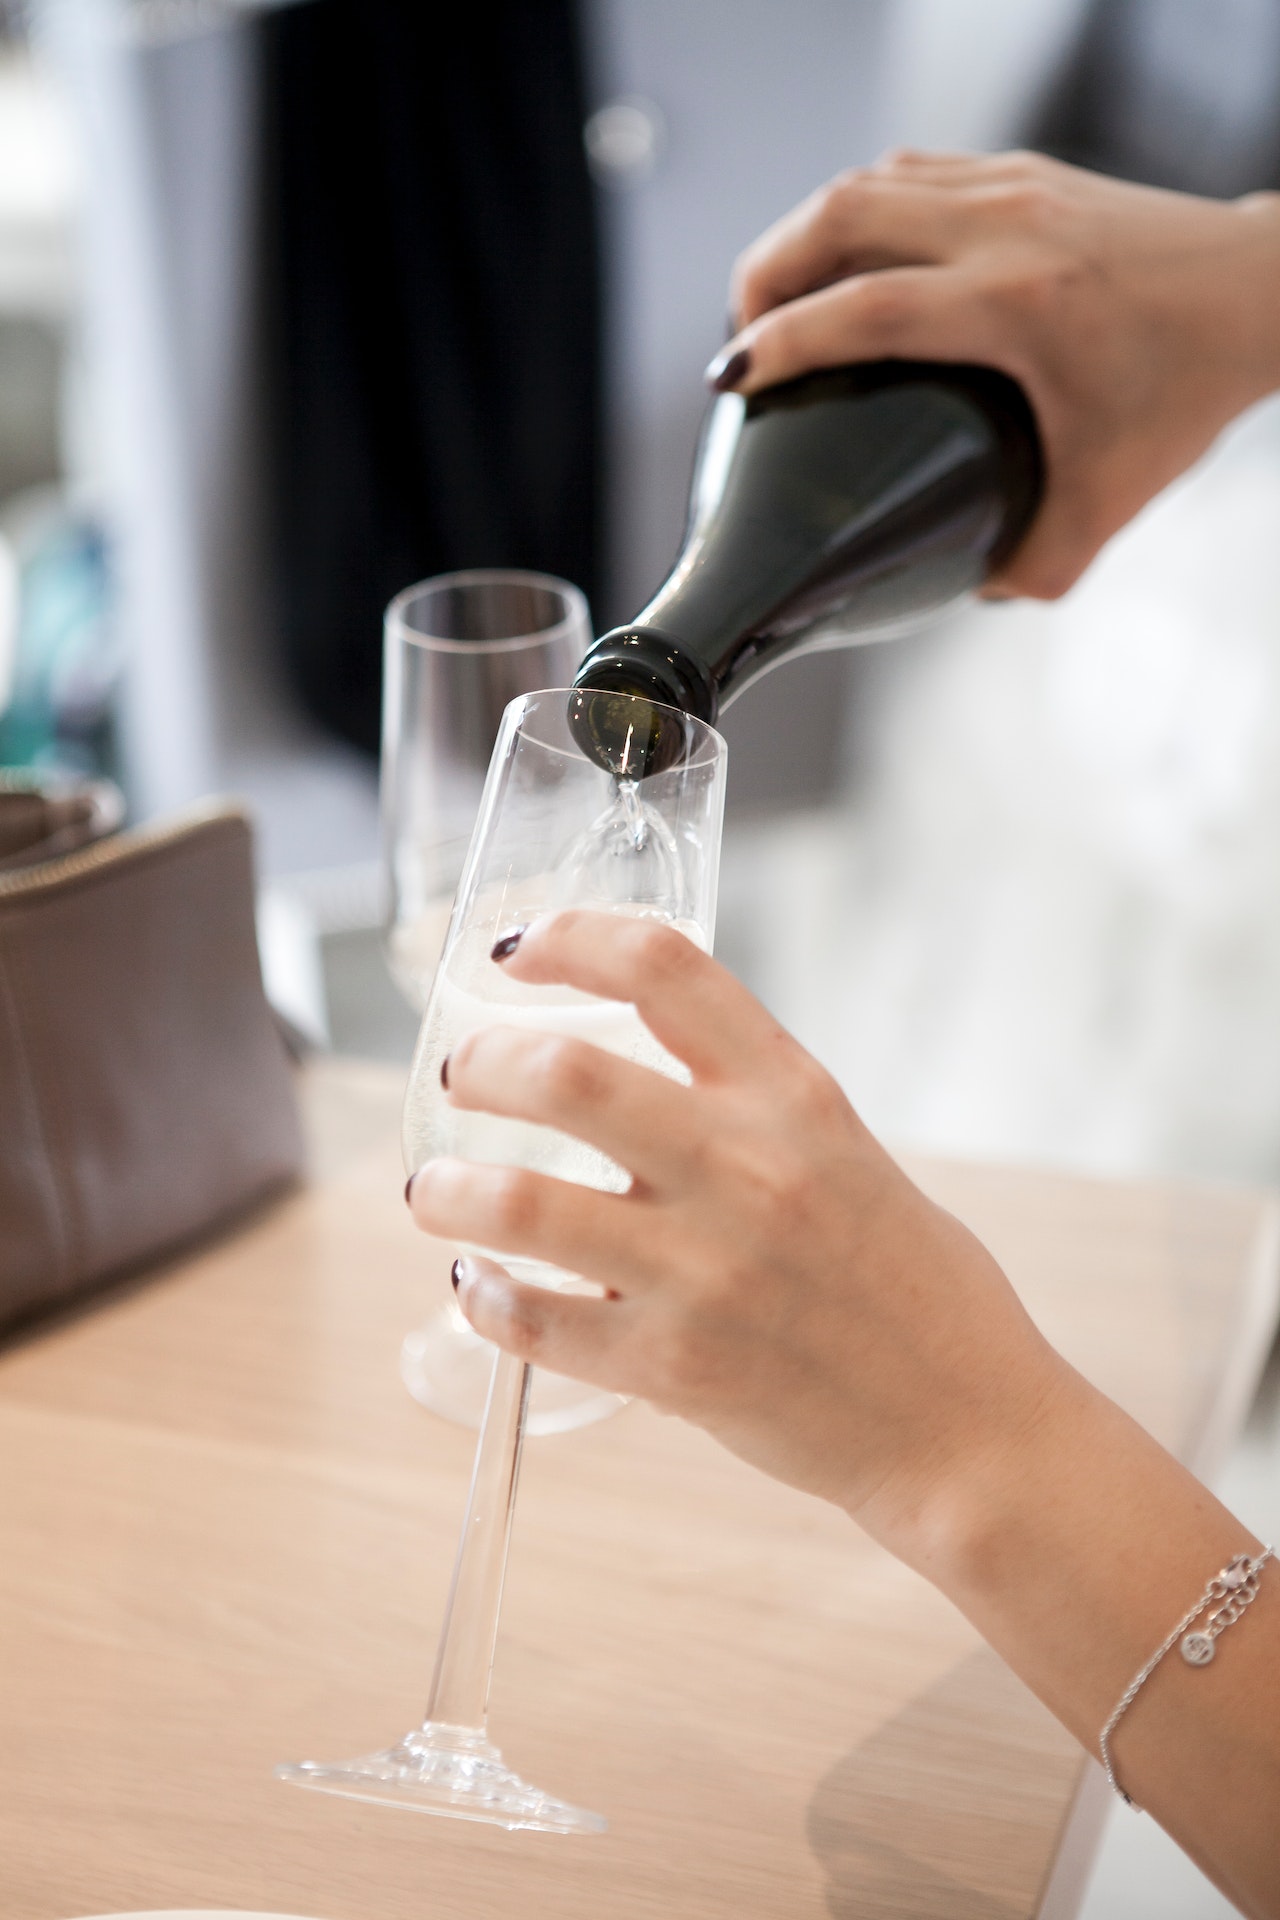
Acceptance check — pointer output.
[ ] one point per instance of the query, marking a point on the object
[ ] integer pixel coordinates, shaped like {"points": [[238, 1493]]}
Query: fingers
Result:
{"points": [[925, 160], [963, 169], [640, 1118], [611, 1238], [691, 1005], [910, 209], [908, 313], [859, 221], [566, 1332]]}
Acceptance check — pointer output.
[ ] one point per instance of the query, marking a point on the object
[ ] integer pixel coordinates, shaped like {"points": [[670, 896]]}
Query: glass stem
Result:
{"points": [[460, 1688]]}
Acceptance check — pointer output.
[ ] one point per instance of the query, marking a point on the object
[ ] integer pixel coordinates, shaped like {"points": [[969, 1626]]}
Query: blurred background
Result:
{"points": [[300, 303]]}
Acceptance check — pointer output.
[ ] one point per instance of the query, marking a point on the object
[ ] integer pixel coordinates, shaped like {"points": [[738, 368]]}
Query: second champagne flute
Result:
{"points": [[458, 649]]}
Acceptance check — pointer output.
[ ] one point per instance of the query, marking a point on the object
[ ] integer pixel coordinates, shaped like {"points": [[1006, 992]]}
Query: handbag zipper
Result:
{"points": [[114, 847]]}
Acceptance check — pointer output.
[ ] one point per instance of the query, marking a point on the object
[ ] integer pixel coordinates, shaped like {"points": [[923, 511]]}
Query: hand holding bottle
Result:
{"points": [[1138, 322]]}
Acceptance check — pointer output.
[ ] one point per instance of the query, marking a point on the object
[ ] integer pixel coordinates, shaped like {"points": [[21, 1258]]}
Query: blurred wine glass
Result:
{"points": [[458, 649]]}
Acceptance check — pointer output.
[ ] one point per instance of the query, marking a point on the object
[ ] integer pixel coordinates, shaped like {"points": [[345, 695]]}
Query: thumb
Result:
{"points": [[573, 1333]]}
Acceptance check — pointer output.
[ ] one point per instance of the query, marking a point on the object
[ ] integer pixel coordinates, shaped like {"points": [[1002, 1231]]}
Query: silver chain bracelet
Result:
{"points": [[1237, 1588]]}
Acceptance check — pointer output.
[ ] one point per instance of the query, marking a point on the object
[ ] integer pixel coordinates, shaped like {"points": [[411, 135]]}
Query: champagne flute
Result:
{"points": [[457, 649], [555, 830]]}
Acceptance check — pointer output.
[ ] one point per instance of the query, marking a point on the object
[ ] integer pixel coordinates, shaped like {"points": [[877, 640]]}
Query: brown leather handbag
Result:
{"points": [[37, 825], [145, 1094]]}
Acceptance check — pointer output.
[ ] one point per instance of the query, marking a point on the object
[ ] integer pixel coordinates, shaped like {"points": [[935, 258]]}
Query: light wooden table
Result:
{"points": [[225, 1535]]}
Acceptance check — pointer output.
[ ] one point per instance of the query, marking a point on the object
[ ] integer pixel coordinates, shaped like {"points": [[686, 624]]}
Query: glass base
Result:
{"points": [[447, 1367], [446, 1770]]}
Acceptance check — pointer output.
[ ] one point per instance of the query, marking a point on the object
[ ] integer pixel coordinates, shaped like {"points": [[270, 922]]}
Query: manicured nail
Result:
{"points": [[408, 1189], [444, 1073], [504, 948], [727, 369], [455, 1274]]}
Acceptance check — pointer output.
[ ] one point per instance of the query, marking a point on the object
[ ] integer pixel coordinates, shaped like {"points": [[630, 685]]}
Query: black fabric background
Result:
{"points": [[433, 293]]}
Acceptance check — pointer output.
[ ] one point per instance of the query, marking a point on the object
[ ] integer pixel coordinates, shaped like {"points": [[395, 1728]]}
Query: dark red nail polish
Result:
{"points": [[408, 1188], [726, 370], [444, 1073], [455, 1274], [504, 948]]}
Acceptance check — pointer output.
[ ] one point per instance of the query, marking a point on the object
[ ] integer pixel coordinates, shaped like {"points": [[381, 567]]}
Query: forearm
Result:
{"points": [[1075, 1559]]}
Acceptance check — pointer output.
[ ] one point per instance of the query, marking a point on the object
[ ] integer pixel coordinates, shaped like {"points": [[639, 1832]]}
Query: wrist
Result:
{"points": [[1073, 1547], [971, 1519], [1258, 217], [976, 1463]]}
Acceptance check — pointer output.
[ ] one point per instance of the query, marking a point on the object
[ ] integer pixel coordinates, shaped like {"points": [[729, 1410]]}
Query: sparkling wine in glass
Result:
{"points": [[556, 829]]}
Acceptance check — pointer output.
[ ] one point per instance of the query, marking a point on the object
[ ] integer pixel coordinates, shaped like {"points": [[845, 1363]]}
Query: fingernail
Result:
{"points": [[455, 1274], [408, 1189], [727, 369], [504, 948], [444, 1073]]}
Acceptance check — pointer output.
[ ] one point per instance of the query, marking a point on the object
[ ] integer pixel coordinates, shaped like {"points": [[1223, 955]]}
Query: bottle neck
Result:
{"points": [[869, 496], [652, 664]]}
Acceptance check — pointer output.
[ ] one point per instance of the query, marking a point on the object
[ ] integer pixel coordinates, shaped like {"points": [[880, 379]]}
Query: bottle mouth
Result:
{"points": [[635, 703]]}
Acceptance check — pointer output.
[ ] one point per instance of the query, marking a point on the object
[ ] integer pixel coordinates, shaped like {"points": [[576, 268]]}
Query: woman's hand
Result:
{"points": [[1138, 322], [772, 1275]]}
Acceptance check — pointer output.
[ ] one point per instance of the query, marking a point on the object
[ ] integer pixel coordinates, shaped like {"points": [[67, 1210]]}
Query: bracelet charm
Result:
{"points": [[1234, 1588]]}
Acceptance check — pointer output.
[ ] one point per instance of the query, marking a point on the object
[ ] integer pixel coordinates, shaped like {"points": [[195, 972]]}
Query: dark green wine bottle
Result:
{"points": [[868, 494]]}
